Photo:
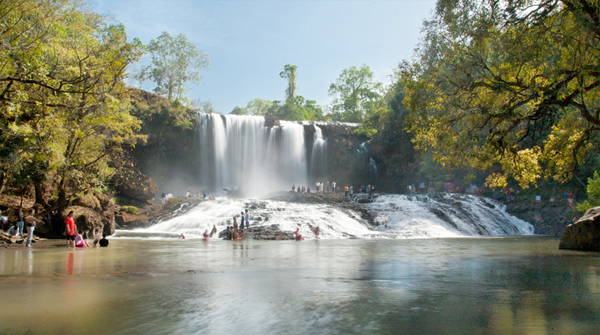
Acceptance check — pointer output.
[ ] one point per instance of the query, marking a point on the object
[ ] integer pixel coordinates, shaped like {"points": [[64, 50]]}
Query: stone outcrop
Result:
{"points": [[584, 234], [88, 220], [139, 187], [271, 232], [129, 221]]}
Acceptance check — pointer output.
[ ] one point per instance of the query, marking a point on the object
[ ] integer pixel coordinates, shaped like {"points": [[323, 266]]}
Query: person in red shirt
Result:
{"points": [[70, 230]]}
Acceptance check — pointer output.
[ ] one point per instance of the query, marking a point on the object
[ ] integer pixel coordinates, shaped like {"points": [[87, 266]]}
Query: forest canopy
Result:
{"points": [[61, 84], [508, 86]]}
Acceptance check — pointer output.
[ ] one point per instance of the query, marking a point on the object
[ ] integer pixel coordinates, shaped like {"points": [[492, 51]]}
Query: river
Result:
{"points": [[483, 285]]}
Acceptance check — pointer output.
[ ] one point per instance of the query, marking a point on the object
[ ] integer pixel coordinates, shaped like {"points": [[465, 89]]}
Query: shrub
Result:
{"points": [[130, 210]]}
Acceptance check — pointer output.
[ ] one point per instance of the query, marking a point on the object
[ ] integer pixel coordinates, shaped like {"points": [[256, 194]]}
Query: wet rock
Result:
{"points": [[271, 121], [271, 232], [129, 221], [584, 234]]}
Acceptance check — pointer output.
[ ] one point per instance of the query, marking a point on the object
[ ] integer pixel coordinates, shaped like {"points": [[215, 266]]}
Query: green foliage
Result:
{"points": [[130, 210], [356, 94], [254, 107], [507, 85], [294, 108], [593, 192], [289, 73], [175, 62], [61, 85]]}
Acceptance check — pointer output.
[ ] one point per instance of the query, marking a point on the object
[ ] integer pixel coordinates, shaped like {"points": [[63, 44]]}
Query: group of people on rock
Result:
{"points": [[199, 195], [326, 187], [320, 188], [236, 232], [16, 229], [300, 189]]}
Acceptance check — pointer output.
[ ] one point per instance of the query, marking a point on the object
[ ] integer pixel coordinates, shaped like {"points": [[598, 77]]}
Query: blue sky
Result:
{"points": [[249, 42]]}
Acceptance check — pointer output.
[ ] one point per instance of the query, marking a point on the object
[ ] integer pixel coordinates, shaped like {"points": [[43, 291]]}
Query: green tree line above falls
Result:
{"points": [[499, 92]]}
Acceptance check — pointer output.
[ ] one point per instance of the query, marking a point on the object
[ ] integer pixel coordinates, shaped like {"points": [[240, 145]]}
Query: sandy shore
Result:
{"points": [[41, 243]]}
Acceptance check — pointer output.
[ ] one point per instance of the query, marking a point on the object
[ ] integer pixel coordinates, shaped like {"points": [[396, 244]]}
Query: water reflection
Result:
{"points": [[520, 285]]}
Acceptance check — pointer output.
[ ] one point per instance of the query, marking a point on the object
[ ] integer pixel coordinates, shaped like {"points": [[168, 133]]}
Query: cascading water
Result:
{"points": [[319, 155], [444, 215], [394, 216], [241, 152]]}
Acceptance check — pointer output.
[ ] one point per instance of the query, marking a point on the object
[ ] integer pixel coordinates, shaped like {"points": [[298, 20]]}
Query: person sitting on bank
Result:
{"points": [[103, 241], [13, 231]]}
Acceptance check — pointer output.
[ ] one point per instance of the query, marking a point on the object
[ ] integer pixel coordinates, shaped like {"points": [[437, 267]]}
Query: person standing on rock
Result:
{"points": [[70, 230], [247, 221], [242, 223]]}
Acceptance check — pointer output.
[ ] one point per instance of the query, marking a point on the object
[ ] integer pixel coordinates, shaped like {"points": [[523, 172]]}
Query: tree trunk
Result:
{"points": [[39, 194], [2, 181]]}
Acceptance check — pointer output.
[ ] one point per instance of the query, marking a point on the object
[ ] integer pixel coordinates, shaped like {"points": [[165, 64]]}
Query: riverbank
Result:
{"points": [[37, 242]]}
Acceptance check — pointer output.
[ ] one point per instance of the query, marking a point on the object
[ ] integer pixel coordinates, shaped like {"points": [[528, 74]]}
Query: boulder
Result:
{"points": [[584, 234], [126, 220], [86, 219], [108, 219], [138, 186]]}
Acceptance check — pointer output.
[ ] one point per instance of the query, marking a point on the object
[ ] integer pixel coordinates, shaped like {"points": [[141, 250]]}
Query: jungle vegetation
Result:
{"points": [[502, 91]]}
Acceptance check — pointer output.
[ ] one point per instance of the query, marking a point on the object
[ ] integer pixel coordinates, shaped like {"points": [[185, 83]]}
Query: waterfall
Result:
{"points": [[318, 159], [239, 151]]}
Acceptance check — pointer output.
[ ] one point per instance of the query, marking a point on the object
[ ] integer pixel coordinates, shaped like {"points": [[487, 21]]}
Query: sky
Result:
{"points": [[249, 42]]}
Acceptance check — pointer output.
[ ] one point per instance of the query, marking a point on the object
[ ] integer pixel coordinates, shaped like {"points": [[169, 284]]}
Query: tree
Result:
{"points": [[256, 106], [60, 88], [175, 63], [508, 86], [355, 93], [294, 108], [289, 73], [593, 192]]}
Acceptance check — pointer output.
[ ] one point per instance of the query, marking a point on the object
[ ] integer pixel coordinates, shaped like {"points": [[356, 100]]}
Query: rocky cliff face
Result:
{"points": [[345, 161]]}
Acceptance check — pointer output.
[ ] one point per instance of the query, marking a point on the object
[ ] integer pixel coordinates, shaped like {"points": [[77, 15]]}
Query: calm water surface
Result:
{"points": [[516, 285]]}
